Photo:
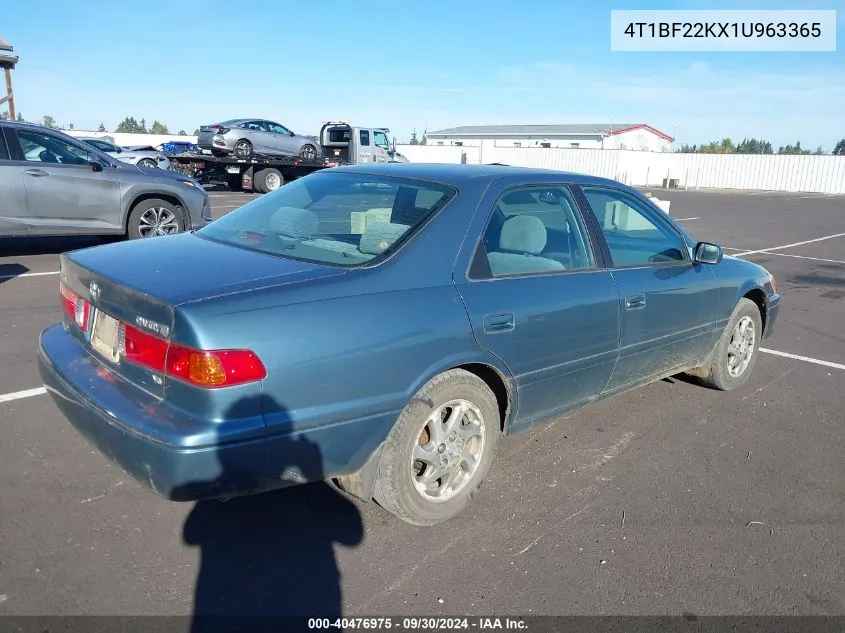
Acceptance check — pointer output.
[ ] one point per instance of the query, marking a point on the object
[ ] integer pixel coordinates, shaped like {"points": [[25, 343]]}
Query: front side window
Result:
{"points": [[381, 140], [46, 148], [275, 128], [634, 233], [103, 146], [332, 218], [536, 230]]}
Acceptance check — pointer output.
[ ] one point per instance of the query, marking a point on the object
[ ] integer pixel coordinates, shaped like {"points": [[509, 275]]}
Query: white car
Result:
{"points": [[142, 156]]}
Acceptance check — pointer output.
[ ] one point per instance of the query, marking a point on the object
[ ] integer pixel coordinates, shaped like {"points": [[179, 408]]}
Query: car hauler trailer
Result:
{"points": [[341, 144]]}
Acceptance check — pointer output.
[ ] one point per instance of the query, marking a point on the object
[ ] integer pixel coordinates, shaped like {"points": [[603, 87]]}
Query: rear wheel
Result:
{"points": [[267, 180], [243, 149], [737, 350], [147, 162], [308, 152], [154, 217], [440, 450]]}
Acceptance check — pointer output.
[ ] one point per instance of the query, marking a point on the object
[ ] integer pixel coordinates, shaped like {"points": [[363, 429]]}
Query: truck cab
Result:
{"points": [[344, 144]]}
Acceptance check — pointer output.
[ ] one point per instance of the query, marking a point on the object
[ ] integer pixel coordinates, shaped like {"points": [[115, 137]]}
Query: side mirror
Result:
{"points": [[95, 165], [708, 253], [292, 133]]}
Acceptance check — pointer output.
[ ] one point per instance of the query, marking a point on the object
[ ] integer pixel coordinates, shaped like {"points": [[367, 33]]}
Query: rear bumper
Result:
{"points": [[151, 443], [772, 310]]}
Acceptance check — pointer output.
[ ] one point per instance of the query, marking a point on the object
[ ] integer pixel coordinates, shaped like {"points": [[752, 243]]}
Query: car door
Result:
{"points": [[539, 298], [668, 304], [64, 193], [365, 146], [281, 138], [13, 213], [256, 133], [381, 145]]}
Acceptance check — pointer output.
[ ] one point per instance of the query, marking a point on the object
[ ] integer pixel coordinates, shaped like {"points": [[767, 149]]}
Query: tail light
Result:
{"points": [[77, 308], [774, 284], [203, 368], [221, 129]]}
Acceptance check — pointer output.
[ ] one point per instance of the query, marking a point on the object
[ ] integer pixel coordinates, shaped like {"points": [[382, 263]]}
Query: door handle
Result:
{"points": [[634, 302], [499, 322], [35, 172]]}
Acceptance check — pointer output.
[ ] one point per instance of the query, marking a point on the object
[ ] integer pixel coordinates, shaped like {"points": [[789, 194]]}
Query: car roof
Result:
{"points": [[455, 175]]}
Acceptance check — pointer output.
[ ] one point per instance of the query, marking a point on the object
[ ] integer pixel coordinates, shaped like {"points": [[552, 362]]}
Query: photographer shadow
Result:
{"points": [[271, 554]]}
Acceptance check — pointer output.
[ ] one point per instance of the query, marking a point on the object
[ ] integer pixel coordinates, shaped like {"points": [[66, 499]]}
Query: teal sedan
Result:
{"points": [[385, 326]]}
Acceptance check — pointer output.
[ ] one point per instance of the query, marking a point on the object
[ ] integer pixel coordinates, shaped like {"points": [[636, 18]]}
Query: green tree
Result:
{"points": [[130, 125], [158, 128], [414, 140], [839, 148], [754, 146], [688, 149], [725, 146], [793, 149], [197, 132], [424, 140], [143, 127], [102, 128], [19, 118], [183, 133], [48, 121], [4, 116], [70, 127]]}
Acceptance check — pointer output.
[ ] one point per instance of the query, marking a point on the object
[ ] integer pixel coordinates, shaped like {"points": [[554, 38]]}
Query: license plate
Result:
{"points": [[233, 170], [104, 336]]}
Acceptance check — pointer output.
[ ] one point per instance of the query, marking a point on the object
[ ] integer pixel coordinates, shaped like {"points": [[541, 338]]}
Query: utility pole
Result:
{"points": [[8, 63]]}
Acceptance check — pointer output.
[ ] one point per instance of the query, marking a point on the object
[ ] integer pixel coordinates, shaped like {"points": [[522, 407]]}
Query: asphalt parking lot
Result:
{"points": [[672, 499]]}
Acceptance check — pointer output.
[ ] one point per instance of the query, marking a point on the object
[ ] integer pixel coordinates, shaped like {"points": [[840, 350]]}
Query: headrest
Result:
{"points": [[379, 236], [523, 234], [295, 223]]}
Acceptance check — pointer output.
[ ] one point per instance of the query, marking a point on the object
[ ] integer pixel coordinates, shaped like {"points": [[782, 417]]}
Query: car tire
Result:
{"points": [[308, 152], [736, 352], [400, 487], [242, 149], [267, 180], [152, 212], [149, 163]]}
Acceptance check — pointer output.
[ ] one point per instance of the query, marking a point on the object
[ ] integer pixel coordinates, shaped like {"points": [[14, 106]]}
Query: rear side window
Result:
{"points": [[365, 138], [4, 151], [337, 219]]}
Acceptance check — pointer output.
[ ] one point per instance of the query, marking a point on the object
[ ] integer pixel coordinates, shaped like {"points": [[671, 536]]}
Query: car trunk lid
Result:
{"points": [[118, 294]]}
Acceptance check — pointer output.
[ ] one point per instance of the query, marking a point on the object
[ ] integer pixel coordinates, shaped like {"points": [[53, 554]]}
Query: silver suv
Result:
{"points": [[53, 184], [244, 138]]}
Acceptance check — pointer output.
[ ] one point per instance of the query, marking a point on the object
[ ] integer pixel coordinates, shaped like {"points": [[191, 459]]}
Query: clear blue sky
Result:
{"points": [[407, 63]]}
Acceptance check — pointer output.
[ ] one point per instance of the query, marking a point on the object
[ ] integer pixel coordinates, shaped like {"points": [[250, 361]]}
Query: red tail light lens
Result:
{"points": [[215, 368], [75, 307], [221, 129]]}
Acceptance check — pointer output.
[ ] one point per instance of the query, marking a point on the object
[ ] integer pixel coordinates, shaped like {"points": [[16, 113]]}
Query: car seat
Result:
{"points": [[522, 239]]}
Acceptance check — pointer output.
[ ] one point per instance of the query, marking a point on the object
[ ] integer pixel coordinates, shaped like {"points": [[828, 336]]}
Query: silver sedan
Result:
{"points": [[244, 138], [132, 155]]}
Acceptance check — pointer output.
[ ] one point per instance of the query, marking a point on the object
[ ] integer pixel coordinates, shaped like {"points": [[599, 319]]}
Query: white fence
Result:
{"points": [[807, 173]]}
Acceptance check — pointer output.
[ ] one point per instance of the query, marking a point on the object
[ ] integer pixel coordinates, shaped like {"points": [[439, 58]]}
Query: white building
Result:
{"points": [[635, 136]]}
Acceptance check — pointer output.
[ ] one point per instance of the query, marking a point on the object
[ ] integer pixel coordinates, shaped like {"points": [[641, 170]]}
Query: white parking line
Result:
{"points": [[779, 248], [806, 359], [52, 272], [815, 259], [17, 395], [686, 219]]}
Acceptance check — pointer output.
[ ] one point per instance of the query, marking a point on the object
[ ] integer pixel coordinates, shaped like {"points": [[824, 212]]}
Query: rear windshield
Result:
{"points": [[332, 218]]}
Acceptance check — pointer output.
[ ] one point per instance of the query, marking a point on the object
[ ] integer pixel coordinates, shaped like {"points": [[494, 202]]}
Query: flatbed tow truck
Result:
{"points": [[342, 144]]}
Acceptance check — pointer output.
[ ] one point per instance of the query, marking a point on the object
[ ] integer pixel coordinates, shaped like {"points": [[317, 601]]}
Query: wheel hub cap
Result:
{"points": [[741, 346], [157, 221], [448, 450]]}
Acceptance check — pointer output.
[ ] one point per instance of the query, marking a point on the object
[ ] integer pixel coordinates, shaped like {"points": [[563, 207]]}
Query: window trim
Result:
{"points": [[479, 250], [5, 142], [652, 213]]}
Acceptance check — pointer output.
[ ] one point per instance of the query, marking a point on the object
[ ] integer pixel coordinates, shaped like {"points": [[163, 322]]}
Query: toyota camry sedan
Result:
{"points": [[385, 326]]}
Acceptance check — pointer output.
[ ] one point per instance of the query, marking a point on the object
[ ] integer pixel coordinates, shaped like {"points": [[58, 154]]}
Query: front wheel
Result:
{"points": [[154, 217], [737, 350], [440, 450], [149, 163]]}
